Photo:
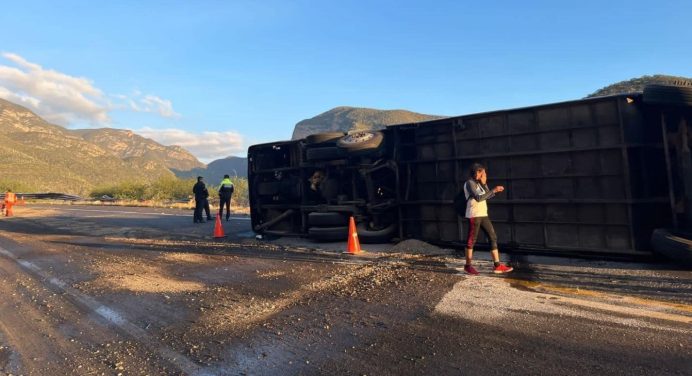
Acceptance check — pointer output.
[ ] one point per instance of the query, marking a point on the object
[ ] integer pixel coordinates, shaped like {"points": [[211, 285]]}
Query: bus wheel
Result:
{"points": [[319, 138], [359, 142]]}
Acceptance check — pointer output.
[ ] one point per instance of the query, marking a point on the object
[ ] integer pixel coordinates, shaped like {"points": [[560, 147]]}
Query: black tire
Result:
{"points": [[668, 95], [323, 153], [376, 236], [328, 233], [361, 142], [676, 248], [319, 138], [327, 219], [268, 188]]}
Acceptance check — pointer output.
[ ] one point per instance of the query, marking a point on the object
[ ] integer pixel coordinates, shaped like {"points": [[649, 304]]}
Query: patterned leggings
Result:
{"points": [[475, 224]]}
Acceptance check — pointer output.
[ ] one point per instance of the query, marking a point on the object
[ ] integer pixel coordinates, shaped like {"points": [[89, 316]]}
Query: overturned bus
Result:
{"points": [[597, 175]]}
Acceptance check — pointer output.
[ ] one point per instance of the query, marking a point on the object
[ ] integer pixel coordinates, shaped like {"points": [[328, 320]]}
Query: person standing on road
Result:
{"points": [[201, 194], [477, 193], [207, 210], [10, 200], [225, 193]]}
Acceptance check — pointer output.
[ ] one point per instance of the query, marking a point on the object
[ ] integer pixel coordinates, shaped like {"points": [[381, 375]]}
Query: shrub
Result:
{"points": [[168, 188], [123, 191], [240, 194], [15, 186]]}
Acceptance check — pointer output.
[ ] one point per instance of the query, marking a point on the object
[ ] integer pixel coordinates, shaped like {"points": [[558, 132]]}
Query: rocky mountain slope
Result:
{"points": [[40, 156], [233, 166], [126, 145], [351, 118]]}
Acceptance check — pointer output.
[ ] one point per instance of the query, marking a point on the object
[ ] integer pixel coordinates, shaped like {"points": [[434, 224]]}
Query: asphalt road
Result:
{"points": [[134, 291]]}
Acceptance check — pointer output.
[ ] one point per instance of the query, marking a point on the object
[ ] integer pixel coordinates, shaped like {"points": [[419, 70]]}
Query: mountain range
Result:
{"points": [[215, 170], [344, 119], [39, 156], [127, 145]]}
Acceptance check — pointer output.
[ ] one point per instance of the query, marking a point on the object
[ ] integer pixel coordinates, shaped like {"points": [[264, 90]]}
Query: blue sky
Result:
{"points": [[218, 76]]}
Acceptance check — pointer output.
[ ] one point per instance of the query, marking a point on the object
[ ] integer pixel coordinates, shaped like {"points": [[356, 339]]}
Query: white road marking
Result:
{"points": [[134, 212], [112, 316]]}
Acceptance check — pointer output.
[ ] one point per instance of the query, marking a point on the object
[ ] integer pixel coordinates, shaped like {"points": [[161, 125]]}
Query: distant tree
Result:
{"points": [[15, 186], [169, 188]]}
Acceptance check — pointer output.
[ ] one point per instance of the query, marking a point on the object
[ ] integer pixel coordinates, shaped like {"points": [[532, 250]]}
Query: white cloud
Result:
{"points": [[206, 146], [56, 96], [152, 103], [139, 102], [64, 99]]}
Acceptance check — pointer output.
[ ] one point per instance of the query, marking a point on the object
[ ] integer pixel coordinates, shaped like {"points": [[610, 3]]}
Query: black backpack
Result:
{"points": [[460, 202]]}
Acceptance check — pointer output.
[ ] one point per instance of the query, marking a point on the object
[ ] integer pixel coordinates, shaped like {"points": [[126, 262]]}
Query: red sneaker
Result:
{"points": [[471, 270], [502, 268]]}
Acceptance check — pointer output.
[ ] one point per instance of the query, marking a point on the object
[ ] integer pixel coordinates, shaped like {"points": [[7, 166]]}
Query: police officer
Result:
{"points": [[225, 193], [201, 194]]}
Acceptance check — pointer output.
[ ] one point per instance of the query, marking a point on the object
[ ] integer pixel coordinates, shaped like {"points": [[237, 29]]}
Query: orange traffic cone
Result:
{"points": [[218, 229], [353, 242]]}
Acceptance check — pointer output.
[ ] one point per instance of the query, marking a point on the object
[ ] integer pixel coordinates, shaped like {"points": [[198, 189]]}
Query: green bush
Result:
{"points": [[240, 194], [168, 188], [123, 191], [15, 186]]}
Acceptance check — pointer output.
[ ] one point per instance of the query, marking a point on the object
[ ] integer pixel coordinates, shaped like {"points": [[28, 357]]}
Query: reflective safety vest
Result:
{"points": [[226, 188], [10, 198]]}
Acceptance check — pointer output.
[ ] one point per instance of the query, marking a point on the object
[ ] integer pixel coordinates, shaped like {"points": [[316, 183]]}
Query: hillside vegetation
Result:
{"points": [[636, 85], [39, 156], [126, 144], [168, 188]]}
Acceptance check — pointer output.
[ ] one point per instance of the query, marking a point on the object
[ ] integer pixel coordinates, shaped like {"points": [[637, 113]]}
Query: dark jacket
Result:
{"points": [[200, 191]]}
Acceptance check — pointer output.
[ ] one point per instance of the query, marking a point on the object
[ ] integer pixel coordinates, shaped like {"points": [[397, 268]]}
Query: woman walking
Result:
{"points": [[477, 194]]}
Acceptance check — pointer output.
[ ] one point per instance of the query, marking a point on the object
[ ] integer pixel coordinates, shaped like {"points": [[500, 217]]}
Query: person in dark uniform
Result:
{"points": [[207, 210], [225, 193], [201, 194]]}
